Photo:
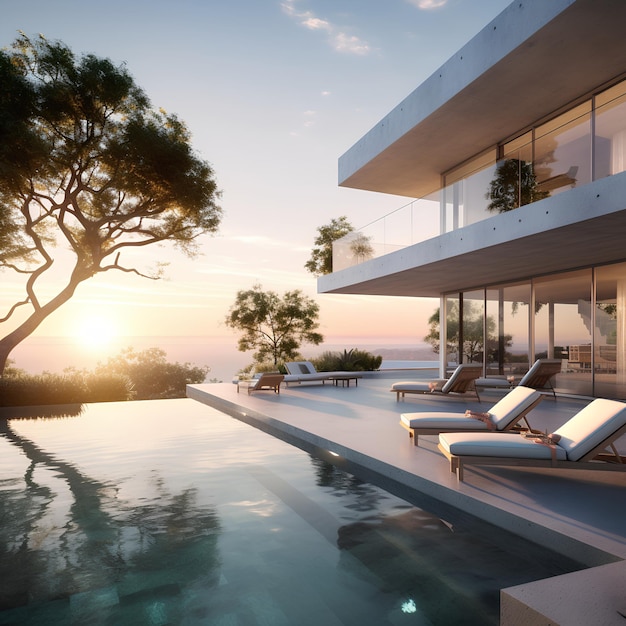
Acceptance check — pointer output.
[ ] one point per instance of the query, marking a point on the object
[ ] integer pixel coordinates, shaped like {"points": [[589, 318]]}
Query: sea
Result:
{"points": [[55, 354]]}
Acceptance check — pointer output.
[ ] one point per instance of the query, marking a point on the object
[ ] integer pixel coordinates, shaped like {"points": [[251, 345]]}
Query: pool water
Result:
{"points": [[169, 512]]}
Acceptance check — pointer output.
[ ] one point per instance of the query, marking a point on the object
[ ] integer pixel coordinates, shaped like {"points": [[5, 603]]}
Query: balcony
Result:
{"points": [[402, 255], [412, 223]]}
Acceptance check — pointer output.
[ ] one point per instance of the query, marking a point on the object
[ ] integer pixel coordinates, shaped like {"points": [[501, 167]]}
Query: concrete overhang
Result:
{"points": [[532, 60], [575, 229]]}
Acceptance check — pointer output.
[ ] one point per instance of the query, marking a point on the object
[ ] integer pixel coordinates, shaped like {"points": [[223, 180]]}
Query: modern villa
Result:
{"points": [[512, 156]]}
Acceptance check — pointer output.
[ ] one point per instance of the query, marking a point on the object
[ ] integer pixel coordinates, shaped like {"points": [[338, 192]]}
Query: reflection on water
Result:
{"points": [[75, 534], [443, 571], [443, 567], [169, 512]]}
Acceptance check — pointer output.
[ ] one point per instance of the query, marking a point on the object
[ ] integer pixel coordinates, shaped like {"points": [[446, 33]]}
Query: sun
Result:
{"points": [[96, 332]]}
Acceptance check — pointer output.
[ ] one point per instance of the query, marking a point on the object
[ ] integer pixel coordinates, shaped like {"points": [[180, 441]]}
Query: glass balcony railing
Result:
{"points": [[412, 223]]}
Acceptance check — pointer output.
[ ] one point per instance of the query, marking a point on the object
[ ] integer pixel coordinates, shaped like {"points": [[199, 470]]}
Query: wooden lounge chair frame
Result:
{"points": [[517, 424], [604, 457], [266, 382], [539, 377], [461, 381]]}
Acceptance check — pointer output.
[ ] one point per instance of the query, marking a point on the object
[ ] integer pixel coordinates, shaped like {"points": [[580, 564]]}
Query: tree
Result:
{"points": [[361, 248], [473, 337], [434, 336], [85, 160], [514, 185], [321, 261], [152, 376], [272, 326]]}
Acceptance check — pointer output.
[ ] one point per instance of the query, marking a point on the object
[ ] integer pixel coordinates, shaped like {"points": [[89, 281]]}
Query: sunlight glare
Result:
{"points": [[95, 332]]}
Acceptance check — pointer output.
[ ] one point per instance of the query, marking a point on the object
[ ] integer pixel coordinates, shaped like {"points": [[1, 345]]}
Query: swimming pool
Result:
{"points": [[169, 512]]}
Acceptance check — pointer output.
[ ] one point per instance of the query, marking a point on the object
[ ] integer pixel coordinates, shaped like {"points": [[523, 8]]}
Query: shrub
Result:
{"points": [[108, 388], [368, 361], [260, 368], [349, 361], [69, 388], [326, 362], [129, 376], [153, 377]]}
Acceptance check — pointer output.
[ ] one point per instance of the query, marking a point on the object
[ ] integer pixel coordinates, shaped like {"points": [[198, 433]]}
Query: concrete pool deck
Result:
{"points": [[579, 513]]}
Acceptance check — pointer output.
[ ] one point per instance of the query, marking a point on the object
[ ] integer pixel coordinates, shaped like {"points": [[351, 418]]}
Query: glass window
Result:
{"points": [[609, 332], [610, 132], [450, 207], [563, 151], [552, 158], [507, 330], [472, 337], [513, 183], [563, 323], [465, 200], [452, 304]]}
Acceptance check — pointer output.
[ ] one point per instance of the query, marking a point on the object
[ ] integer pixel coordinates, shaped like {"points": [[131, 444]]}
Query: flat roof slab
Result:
{"points": [[533, 59]]}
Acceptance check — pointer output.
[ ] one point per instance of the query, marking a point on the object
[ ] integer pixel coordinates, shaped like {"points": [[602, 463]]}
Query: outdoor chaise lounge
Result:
{"points": [[304, 371], [586, 441], [265, 382], [461, 381], [507, 414], [539, 376]]}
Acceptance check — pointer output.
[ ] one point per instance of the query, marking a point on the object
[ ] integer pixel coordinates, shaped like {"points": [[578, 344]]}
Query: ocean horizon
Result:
{"points": [[54, 354]]}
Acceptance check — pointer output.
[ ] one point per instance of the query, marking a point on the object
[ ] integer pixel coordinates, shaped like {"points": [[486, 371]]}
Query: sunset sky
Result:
{"points": [[273, 92]]}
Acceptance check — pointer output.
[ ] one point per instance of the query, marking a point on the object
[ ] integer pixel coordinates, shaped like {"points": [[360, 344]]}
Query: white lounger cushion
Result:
{"points": [[579, 435], [291, 379], [591, 426], [442, 420], [501, 445], [419, 386], [514, 404], [303, 371], [493, 382]]}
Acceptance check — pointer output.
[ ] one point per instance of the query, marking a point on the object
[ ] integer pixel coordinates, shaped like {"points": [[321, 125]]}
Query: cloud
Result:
{"points": [[428, 4], [309, 118], [338, 39], [347, 43], [315, 23]]}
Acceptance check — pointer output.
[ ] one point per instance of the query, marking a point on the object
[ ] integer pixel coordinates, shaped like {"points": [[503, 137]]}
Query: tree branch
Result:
{"points": [[12, 310], [128, 270]]}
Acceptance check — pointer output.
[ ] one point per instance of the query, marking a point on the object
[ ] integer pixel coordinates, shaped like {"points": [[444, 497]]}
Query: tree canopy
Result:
{"points": [[473, 345], [321, 261], [514, 185], [152, 375], [85, 160], [273, 326]]}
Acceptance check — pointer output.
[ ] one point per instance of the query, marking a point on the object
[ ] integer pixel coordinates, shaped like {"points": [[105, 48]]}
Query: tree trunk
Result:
{"points": [[14, 338]]}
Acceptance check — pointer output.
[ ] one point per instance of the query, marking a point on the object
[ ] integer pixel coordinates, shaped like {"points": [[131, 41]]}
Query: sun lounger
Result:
{"points": [[304, 371], [586, 441], [505, 415], [461, 381], [539, 376], [265, 382]]}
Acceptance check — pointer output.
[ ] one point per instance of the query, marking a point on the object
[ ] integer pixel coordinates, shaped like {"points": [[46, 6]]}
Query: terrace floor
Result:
{"points": [[580, 513]]}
